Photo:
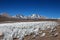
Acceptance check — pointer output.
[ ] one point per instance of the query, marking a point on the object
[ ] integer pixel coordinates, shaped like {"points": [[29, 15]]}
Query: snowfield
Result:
{"points": [[21, 29]]}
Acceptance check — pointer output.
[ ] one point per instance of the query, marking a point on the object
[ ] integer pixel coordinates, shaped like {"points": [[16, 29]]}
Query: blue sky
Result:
{"points": [[48, 8]]}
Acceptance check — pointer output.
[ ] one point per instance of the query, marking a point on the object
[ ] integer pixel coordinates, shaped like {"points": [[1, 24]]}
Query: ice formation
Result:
{"points": [[21, 29], [43, 34]]}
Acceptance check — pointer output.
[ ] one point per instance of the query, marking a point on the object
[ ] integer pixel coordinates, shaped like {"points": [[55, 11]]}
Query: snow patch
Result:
{"points": [[21, 29], [43, 34]]}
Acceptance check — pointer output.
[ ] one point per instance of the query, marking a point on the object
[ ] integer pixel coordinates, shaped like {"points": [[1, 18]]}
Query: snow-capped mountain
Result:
{"points": [[19, 16], [36, 16], [33, 16]]}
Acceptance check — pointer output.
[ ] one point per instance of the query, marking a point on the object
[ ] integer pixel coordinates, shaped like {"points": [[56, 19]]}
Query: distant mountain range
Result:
{"points": [[33, 16], [18, 17]]}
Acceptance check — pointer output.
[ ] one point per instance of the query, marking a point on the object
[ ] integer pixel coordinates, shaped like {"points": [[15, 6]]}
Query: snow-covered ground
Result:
{"points": [[21, 29]]}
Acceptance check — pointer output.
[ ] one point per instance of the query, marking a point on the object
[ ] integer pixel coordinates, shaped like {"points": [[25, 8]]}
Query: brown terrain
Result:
{"points": [[48, 36]]}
